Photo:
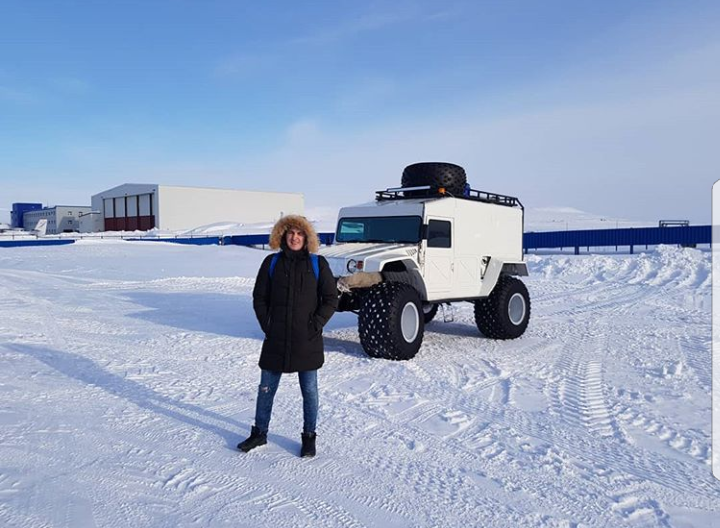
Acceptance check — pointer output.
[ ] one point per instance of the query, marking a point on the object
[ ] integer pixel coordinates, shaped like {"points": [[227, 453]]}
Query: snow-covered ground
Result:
{"points": [[128, 374]]}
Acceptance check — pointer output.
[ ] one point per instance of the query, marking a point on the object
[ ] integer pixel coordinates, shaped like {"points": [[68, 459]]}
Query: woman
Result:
{"points": [[294, 297]]}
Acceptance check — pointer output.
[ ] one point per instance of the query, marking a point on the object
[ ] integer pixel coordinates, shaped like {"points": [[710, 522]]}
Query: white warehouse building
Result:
{"points": [[144, 206], [60, 219]]}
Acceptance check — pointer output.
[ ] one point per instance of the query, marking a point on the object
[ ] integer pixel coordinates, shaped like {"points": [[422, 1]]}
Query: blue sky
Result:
{"points": [[611, 107]]}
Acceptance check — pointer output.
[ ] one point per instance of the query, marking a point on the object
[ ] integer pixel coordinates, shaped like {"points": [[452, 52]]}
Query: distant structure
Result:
{"points": [[139, 206], [18, 210], [60, 219], [673, 223], [91, 222]]}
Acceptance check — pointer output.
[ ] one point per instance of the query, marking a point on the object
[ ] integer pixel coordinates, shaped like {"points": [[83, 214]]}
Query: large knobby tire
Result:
{"points": [[435, 174], [429, 312], [391, 321], [505, 313]]}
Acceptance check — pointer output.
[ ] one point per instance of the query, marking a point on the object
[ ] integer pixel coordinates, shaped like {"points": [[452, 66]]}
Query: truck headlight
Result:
{"points": [[354, 265]]}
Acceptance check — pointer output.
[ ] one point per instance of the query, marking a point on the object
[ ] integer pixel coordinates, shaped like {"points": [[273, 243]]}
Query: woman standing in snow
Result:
{"points": [[294, 297]]}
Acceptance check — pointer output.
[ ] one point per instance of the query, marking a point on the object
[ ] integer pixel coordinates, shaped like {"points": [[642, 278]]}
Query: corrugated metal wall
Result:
{"points": [[627, 237]]}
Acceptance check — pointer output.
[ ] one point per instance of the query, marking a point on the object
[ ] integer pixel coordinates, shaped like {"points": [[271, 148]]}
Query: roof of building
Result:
{"points": [[56, 206], [142, 188]]}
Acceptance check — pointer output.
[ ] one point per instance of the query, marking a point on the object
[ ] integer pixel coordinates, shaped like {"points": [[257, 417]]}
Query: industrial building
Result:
{"points": [[18, 210], [91, 222], [60, 219], [134, 206]]}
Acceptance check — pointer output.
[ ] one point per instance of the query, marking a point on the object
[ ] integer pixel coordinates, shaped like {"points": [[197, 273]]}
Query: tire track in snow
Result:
{"points": [[591, 391], [577, 396], [606, 299], [697, 353], [592, 408], [488, 447], [690, 443]]}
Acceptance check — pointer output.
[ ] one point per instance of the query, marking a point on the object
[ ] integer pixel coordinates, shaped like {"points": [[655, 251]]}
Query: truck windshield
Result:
{"points": [[396, 229]]}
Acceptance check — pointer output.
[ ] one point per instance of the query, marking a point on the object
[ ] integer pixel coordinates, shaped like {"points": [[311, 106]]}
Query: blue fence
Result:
{"points": [[688, 236], [191, 241], [35, 242], [586, 238], [262, 240], [245, 240]]}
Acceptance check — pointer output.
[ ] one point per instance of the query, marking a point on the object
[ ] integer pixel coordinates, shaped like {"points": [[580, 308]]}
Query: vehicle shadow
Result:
{"points": [[90, 373], [453, 329]]}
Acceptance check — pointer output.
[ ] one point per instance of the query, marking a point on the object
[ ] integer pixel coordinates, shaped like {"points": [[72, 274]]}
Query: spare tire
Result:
{"points": [[435, 174]]}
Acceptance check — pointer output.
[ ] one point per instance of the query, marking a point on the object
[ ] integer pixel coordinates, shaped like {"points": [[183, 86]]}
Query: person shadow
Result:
{"points": [[90, 373], [225, 315], [218, 314], [213, 313]]}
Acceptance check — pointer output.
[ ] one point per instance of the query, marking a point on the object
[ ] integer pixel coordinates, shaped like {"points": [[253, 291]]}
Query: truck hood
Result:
{"points": [[373, 255]]}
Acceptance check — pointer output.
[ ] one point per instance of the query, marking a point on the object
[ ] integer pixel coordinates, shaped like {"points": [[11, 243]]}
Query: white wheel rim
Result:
{"points": [[516, 309], [410, 322]]}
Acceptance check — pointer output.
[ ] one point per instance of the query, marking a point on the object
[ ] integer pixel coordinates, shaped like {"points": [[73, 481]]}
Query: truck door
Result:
{"points": [[439, 258]]}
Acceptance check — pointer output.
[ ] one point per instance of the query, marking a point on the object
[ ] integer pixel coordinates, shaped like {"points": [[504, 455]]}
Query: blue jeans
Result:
{"points": [[269, 382]]}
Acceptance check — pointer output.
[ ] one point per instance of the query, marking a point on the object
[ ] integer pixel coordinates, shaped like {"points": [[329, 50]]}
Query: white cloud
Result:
{"points": [[274, 54], [647, 150], [639, 143], [351, 27]]}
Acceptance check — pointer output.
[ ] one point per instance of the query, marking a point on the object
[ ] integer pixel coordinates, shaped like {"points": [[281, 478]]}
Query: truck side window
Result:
{"points": [[438, 234]]}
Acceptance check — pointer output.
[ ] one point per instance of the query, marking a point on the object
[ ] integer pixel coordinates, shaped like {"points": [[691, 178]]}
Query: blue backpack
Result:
{"points": [[313, 259]]}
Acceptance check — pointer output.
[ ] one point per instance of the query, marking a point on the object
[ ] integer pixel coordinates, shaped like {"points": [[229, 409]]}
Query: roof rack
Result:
{"points": [[427, 191]]}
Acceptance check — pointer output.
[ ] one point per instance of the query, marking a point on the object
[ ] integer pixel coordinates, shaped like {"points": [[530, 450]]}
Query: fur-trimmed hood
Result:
{"points": [[312, 242]]}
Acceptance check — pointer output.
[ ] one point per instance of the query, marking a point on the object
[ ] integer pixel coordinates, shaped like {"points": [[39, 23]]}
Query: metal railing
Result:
{"points": [[34, 242]]}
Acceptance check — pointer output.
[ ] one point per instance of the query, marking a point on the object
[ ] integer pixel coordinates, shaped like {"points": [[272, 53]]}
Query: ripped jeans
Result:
{"points": [[269, 382]]}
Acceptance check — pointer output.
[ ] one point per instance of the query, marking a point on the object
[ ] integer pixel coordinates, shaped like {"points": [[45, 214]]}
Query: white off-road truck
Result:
{"points": [[432, 242]]}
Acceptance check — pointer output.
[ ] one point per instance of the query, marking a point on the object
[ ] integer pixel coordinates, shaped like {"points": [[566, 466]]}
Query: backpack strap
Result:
{"points": [[313, 259], [273, 263], [316, 265]]}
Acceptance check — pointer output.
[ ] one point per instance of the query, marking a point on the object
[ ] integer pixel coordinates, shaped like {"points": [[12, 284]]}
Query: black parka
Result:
{"points": [[292, 308]]}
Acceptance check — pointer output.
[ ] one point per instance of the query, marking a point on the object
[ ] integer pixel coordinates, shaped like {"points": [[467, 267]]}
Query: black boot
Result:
{"points": [[256, 439], [308, 445]]}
